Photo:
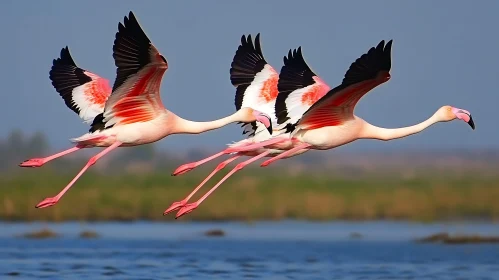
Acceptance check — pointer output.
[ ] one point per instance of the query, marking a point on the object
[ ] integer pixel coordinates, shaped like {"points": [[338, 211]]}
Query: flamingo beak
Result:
{"points": [[265, 120], [465, 116], [269, 128], [471, 123]]}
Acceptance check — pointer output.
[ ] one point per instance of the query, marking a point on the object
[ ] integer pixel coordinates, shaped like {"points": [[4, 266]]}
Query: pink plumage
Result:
{"points": [[249, 81], [131, 113]]}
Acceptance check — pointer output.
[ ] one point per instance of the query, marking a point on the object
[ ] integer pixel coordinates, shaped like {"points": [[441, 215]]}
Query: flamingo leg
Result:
{"points": [[184, 168], [37, 162], [191, 206], [179, 204], [50, 201], [256, 145], [286, 153]]}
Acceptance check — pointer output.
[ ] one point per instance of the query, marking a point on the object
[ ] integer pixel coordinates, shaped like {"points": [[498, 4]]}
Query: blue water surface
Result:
{"points": [[263, 250]]}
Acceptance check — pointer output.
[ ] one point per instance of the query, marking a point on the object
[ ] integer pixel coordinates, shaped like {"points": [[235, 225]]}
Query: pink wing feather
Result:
{"points": [[140, 69], [337, 106], [255, 81], [299, 88], [83, 92]]}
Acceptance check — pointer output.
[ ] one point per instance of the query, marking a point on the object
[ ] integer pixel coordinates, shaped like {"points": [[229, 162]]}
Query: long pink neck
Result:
{"points": [[183, 126], [373, 132]]}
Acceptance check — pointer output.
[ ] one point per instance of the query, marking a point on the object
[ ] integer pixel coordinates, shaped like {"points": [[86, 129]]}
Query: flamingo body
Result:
{"points": [[258, 86], [132, 134], [320, 138], [130, 114], [330, 122]]}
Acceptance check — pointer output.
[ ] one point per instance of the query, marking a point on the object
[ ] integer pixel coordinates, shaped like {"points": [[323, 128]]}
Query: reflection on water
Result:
{"points": [[283, 250]]}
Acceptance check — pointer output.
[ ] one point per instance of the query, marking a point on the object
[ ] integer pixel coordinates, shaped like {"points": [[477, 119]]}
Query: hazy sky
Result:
{"points": [[444, 52]]}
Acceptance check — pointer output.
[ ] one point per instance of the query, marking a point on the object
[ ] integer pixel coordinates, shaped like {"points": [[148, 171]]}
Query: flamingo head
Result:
{"points": [[449, 113], [252, 115]]}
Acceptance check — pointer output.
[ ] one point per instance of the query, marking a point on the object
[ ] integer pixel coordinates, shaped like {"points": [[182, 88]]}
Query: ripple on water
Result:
{"points": [[48, 269], [459, 268], [145, 265], [189, 264], [13, 273], [111, 271], [251, 265], [212, 271], [168, 255], [311, 260], [78, 266]]}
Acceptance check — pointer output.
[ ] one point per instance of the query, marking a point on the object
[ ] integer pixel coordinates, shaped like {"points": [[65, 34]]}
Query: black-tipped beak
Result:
{"points": [[270, 127], [471, 123]]}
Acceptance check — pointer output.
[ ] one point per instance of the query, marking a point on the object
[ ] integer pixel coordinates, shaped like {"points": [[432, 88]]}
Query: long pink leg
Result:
{"points": [[191, 206], [286, 153], [50, 201], [179, 204], [184, 168], [37, 162], [257, 145]]}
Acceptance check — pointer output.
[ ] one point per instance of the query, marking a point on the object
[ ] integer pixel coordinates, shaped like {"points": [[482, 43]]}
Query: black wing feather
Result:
{"points": [[66, 76], [295, 74], [366, 67], [131, 50], [248, 61]]}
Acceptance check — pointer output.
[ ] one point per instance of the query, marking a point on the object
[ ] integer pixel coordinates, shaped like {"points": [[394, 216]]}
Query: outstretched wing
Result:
{"points": [[83, 92], [140, 69], [337, 106], [255, 81], [299, 88]]}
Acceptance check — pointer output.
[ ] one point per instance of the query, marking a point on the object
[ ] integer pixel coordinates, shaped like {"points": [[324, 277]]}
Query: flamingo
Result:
{"points": [[131, 113], [330, 122], [249, 92]]}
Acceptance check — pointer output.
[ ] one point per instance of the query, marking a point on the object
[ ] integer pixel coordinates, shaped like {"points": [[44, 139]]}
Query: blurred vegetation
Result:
{"points": [[135, 184]]}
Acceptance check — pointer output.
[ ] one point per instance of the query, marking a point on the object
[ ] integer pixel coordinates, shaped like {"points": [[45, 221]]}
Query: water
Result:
{"points": [[281, 250]]}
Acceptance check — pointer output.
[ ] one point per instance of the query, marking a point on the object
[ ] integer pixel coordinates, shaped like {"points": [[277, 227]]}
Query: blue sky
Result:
{"points": [[444, 52]]}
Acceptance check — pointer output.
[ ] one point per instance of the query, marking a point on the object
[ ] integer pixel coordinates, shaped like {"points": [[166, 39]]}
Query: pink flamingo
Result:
{"points": [[302, 92], [330, 122], [256, 85], [132, 114]]}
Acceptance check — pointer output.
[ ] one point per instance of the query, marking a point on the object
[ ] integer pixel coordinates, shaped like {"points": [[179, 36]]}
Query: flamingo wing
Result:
{"points": [[83, 92], [255, 81], [299, 88], [337, 106], [140, 69]]}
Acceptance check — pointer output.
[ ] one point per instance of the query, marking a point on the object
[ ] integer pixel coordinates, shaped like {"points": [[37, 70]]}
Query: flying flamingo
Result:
{"points": [[256, 87], [330, 122], [303, 96], [132, 114]]}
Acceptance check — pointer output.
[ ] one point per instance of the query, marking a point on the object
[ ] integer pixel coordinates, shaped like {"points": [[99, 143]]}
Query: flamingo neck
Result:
{"points": [[183, 126], [373, 132]]}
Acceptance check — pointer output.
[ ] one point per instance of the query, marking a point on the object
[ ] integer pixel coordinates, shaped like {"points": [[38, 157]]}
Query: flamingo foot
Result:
{"points": [[188, 208], [265, 163], [175, 206], [183, 169], [47, 202], [34, 162]]}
